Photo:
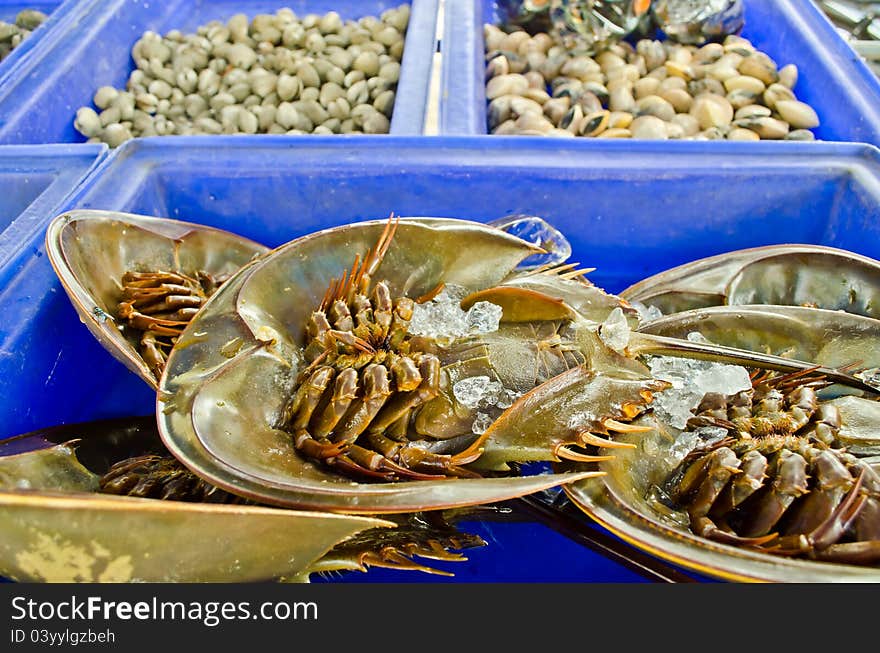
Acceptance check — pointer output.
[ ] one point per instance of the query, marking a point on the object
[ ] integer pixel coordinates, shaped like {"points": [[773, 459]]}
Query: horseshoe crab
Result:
{"points": [[257, 397], [799, 275], [136, 280], [778, 481], [110, 538]]}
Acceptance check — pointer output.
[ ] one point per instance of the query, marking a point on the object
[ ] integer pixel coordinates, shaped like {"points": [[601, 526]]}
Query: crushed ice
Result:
{"points": [[646, 313], [481, 424], [615, 331], [483, 394], [687, 441], [691, 379], [473, 390], [442, 317]]}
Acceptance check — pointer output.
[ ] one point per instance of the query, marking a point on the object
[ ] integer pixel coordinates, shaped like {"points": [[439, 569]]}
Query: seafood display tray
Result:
{"points": [[58, 12], [34, 181], [629, 209], [833, 79], [39, 99]]}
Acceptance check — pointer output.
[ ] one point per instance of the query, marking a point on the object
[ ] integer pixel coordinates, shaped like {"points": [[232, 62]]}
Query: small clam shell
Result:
{"points": [[619, 120], [680, 99], [616, 133], [654, 105], [752, 111], [498, 65], [87, 122], [776, 93], [594, 123], [649, 128], [690, 126], [555, 108], [742, 134], [760, 66], [800, 135], [744, 83], [797, 114], [711, 110], [645, 87], [621, 99], [741, 98], [510, 84], [766, 128], [788, 75]]}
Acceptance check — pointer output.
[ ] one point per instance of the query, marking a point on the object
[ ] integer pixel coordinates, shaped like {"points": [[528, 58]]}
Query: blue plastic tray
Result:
{"points": [[57, 12], [833, 79], [34, 181], [630, 209], [39, 99]]}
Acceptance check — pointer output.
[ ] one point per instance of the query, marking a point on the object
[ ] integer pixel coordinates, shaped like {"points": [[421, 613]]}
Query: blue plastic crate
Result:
{"points": [[833, 79], [57, 12], [34, 181], [39, 99], [630, 209]]}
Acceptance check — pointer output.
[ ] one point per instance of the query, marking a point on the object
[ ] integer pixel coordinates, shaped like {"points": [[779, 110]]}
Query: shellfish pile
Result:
{"points": [[696, 84]]}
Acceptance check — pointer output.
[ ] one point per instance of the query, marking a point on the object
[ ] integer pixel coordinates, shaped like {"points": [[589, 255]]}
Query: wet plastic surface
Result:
{"points": [[833, 79], [39, 99], [34, 180], [629, 209], [56, 11]]}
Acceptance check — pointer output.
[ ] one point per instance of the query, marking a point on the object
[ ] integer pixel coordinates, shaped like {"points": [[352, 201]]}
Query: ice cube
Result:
{"points": [[477, 391], [614, 331], [683, 445], [481, 423], [506, 398], [538, 232], [483, 317], [711, 434], [646, 313]]}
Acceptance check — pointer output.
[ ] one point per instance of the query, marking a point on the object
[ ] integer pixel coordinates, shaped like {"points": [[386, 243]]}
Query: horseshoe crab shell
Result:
{"points": [[91, 250], [228, 378], [58, 528], [809, 275]]}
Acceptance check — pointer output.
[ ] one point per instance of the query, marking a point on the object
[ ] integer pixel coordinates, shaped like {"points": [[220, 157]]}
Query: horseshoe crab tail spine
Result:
{"points": [[642, 343]]}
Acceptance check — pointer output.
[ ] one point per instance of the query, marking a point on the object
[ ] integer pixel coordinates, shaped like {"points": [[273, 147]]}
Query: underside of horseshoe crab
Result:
{"points": [[136, 281], [777, 480], [322, 376]]}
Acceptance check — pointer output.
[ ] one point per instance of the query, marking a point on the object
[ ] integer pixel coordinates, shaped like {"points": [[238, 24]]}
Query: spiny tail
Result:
{"points": [[643, 343]]}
